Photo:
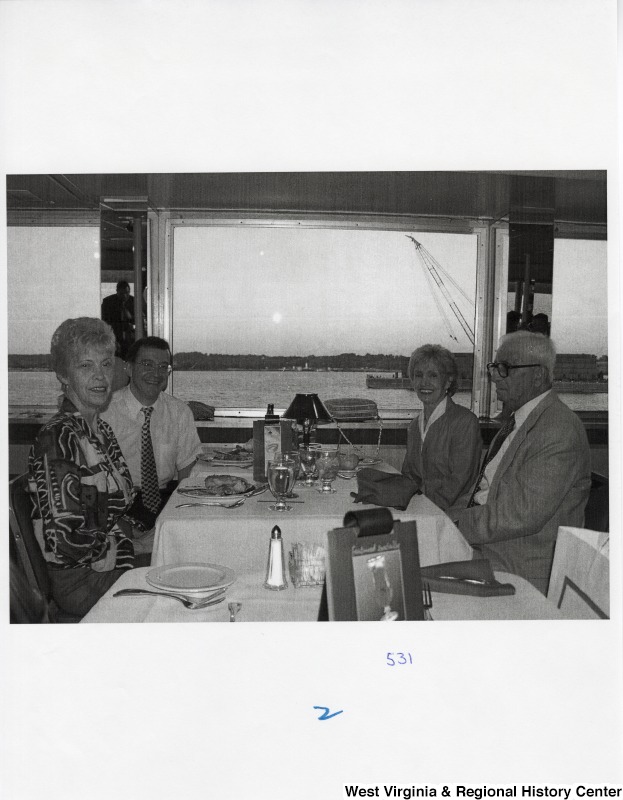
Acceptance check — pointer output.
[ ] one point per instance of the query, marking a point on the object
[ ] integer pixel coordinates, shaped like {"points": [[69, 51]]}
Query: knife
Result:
{"points": [[477, 581], [495, 585]]}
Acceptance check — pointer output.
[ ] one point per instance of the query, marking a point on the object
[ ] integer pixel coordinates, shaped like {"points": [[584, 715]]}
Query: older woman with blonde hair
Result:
{"points": [[77, 474], [443, 441]]}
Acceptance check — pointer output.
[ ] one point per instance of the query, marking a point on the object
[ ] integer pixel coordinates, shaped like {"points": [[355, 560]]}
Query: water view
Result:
{"points": [[239, 389]]}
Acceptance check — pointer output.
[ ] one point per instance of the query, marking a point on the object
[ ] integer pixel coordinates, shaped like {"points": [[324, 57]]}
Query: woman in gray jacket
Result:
{"points": [[443, 444]]}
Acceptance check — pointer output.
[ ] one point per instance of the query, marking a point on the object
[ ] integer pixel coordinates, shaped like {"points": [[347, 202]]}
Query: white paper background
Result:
{"points": [[227, 711]]}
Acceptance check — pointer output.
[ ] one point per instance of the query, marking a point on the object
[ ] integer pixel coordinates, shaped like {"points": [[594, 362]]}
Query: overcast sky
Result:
{"points": [[284, 291], [300, 292]]}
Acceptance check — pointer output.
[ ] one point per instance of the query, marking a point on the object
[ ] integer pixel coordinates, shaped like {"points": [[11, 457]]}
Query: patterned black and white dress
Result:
{"points": [[82, 487]]}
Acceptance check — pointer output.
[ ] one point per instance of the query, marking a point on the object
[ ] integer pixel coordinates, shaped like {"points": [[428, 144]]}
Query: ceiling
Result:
{"points": [[579, 196], [118, 201]]}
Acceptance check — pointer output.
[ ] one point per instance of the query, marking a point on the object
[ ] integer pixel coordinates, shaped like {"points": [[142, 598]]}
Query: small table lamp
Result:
{"points": [[308, 410]]}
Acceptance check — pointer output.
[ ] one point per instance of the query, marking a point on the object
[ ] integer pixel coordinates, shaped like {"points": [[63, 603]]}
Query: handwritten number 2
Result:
{"points": [[325, 712]]}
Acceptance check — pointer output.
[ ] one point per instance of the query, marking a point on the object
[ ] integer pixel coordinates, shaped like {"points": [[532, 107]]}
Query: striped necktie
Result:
{"points": [[149, 476], [494, 449]]}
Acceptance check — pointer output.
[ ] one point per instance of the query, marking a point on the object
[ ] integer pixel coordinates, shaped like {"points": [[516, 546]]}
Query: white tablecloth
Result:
{"points": [[301, 605], [239, 537]]}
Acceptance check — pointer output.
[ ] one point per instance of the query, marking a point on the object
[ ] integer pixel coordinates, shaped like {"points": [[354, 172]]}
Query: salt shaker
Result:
{"points": [[276, 568]]}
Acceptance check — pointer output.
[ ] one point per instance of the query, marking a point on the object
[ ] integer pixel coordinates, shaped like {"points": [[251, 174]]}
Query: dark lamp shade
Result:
{"points": [[307, 407]]}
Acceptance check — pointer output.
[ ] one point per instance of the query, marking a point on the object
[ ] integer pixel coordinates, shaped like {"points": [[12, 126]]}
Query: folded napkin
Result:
{"points": [[383, 489], [455, 576]]}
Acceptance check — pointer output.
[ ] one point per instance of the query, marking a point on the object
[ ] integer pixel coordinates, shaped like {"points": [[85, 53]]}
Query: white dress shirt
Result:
{"points": [[173, 433], [521, 415]]}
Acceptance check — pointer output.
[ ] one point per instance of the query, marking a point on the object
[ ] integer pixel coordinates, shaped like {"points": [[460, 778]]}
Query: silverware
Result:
{"points": [[235, 504], [211, 600], [234, 608], [477, 581], [427, 601]]}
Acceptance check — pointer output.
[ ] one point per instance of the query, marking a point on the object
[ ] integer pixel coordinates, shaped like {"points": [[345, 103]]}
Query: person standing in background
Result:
{"points": [[118, 312]]}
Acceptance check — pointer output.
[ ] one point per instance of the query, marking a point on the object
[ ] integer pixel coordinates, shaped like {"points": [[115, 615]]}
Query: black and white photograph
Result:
{"points": [[272, 269], [441, 299], [378, 585]]}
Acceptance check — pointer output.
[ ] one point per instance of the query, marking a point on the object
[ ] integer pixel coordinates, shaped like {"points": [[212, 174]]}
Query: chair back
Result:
{"points": [[597, 511], [354, 409], [31, 588], [27, 604], [580, 581], [23, 533]]}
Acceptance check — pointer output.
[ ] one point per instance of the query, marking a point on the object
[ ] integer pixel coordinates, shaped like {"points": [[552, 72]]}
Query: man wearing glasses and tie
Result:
{"points": [[536, 474], [156, 431]]}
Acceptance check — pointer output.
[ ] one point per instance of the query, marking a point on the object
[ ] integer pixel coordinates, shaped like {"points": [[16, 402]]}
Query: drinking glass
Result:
{"points": [[348, 462], [280, 475], [307, 459], [327, 464], [293, 455]]}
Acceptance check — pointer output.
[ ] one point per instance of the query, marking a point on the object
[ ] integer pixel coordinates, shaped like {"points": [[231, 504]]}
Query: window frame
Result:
{"points": [[562, 230], [161, 236]]}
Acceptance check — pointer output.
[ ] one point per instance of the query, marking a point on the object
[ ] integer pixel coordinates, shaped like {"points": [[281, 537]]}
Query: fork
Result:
{"points": [[427, 601], [212, 600], [235, 504]]}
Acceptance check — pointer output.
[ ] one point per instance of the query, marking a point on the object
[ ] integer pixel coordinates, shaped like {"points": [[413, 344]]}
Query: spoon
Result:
{"points": [[212, 600], [234, 608]]}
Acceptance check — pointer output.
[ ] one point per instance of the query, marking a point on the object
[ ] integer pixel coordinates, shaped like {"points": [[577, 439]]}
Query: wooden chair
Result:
{"points": [[31, 590]]}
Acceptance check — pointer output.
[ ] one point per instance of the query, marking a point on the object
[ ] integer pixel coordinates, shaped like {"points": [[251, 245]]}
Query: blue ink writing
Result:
{"points": [[395, 659], [325, 712]]}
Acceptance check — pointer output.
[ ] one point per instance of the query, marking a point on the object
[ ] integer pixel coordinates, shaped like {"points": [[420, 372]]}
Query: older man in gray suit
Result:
{"points": [[536, 474]]}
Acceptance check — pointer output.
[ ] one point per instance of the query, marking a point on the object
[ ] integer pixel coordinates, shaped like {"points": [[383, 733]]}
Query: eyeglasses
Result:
{"points": [[502, 368], [151, 366]]}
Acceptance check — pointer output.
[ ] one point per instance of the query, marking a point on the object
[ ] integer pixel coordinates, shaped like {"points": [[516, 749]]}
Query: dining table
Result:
{"points": [[239, 538], [293, 604]]}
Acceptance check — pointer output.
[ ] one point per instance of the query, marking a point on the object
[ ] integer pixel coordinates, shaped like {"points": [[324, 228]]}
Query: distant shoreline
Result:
{"points": [[566, 386]]}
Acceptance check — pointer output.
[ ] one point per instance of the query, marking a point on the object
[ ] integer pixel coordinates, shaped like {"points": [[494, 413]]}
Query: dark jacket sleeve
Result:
{"points": [[451, 468]]}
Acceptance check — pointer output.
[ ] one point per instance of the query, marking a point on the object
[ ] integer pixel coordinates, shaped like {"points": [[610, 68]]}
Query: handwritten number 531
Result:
{"points": [[395, 659]]}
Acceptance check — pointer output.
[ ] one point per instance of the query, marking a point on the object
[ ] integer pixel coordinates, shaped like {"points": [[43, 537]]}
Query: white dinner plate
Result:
{"points": [[191, 577], [228, 462], [219, 459], [369, 462]]}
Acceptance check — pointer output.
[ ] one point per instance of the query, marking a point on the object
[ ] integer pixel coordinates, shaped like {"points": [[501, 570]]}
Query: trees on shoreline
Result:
{"points": [[568, 367], [344, 362]]}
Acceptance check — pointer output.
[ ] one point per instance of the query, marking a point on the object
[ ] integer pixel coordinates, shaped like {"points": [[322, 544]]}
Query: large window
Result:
{"points": [[53, 274], [574, 311], [260, 313]]}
